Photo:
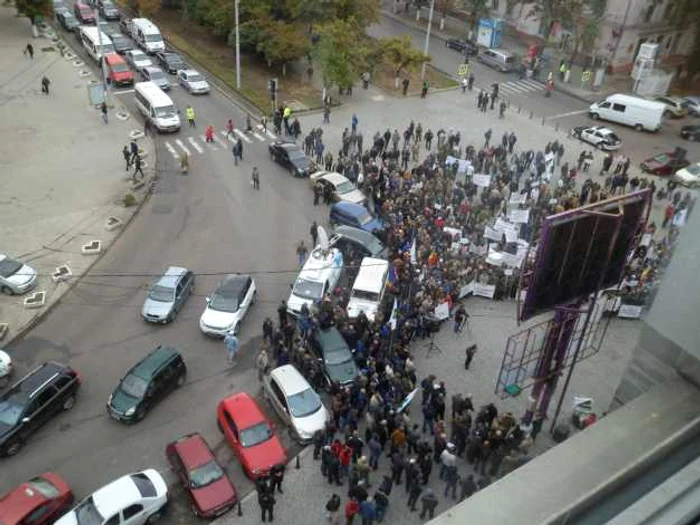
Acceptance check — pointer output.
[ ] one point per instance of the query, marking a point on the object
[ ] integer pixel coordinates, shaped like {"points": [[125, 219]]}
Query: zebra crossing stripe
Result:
{"points": [[220, 142], [534, 84], [270, 134], [171, 149], [509, 88], [259, 137], [193, 142], [227, 136], [242, 135], [209, 144], [182, 146]]}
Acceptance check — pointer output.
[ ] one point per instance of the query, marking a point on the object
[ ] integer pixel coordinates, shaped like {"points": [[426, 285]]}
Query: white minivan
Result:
{"points": [[96, 42], [368, 290], [156, 106], [637, 112], [147, 35]]}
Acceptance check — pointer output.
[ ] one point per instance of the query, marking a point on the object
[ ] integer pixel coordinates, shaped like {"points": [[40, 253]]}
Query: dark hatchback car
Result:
{"points": [[155, 376], [338, 362], [357, 241], [171, 62], [34, 400], [691, 133], [121, 43], [351, 214], [291, 156], [108, 10], [465, 47], [67, 20]]}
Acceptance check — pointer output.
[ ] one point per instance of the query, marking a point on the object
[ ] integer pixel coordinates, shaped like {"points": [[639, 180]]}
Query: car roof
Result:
{"points": [[116, 495], [154, 361], [350, 207], [243, 409], [190, 72], [290, 380], [334, 178], [170, 277], [152, 69], [231, 285], [16, 504], [37, 377], [288, 145], [193, 450], [357, 234], [330, 336]]}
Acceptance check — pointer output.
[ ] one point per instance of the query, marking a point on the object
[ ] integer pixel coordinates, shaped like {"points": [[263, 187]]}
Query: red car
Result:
{"points": [[251, 436], [41, 500], [210, 490], [664, 164]]}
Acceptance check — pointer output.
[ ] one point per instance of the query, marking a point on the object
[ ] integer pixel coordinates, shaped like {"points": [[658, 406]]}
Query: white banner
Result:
{"points": [[482, 179], [466, 289], [512, 260], [490, 233], [485, 290], [630, 311], [646, 240], [517, 198], [520, 216], [454, 232], [462, 165], [442, 311], [479, 250], [510, 230]]}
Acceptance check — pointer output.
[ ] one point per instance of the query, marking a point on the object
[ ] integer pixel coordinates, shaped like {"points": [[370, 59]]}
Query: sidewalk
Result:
{"points": [[64, 174], [575, 88]]}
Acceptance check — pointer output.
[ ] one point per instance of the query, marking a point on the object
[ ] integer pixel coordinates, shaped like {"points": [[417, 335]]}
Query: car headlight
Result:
{"points": [[109, 400], [130, 412]]}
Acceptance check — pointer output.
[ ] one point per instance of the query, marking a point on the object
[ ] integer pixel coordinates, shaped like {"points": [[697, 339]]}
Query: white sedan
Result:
{"points": [[134, 499], [601, 137], [227, 307], [15, 277], [342, 188], [193, 81], [138, 59], [688, 176]]}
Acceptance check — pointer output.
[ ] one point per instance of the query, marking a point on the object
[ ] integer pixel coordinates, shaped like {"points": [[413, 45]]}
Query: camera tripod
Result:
{"points": [[432, 346]]}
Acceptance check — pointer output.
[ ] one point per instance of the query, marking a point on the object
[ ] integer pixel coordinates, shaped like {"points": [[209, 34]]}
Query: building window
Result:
{"points": [[494, 5], [649, 12]]}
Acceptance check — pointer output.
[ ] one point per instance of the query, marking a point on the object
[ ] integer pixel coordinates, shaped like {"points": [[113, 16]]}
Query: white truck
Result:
{"points": [[639, 113], [147, 35]]}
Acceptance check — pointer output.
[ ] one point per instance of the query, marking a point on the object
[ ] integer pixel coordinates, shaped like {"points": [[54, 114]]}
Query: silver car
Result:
{"points": [[167, 295], [193, 81], [15, 277], [156, 75]]}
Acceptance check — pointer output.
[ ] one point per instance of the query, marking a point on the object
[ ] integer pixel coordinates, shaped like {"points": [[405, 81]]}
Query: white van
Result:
{"points": [[368, 290], [317, 278], [156, 106], [637, 112], [90, 38], [147, 35]]}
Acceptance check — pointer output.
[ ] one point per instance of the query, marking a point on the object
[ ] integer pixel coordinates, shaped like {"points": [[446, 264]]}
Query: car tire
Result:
{"points": [[13, 448], [599, 146], [6, 290], [595, 116], [181, 380], [155, 517], [237, 329], [255, 297], [639, 127], [140, 413], [218, 425], [68, 403], [668, 114]]}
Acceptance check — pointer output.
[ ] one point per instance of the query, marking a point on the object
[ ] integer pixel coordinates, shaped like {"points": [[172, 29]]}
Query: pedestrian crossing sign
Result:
{"points": [[462, 70], [585, 76]]}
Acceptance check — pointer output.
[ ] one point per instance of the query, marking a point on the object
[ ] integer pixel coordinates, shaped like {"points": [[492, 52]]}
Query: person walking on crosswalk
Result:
{"points": [[470, 82], [255, 178], [229, 128], [236, 151], [189, 113]]}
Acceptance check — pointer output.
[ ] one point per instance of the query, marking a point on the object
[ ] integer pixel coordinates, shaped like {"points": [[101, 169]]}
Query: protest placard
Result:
{"points": [[442, 311], [482, 179], [519, 216], [479, 250], [646, 240], [517, 198], [466, 289], [492, 234], [454, 232], [485, 290], [630, 311]]}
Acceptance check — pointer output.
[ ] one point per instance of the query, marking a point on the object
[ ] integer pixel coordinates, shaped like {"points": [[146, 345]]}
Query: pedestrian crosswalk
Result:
{"points": [[518, 87], [222, 140]]}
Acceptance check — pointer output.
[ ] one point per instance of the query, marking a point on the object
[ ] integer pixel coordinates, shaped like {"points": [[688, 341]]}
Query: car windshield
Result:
{"points": [[120, 68], [338, 358], [295, 154], [166, 112], [308, 289], [256, 434], [195, 78], [694, 170], [224, 303], [344, 187], [44, 488], [155, 74], [663, 158], [153, 38], [87, 514], [119, 40], [10, 413], [205, 475], [611, 137], [364, 218], [304, 403], [162, 294], [9, 267], [107, 48], [365, 295], [134, 386], [173, 59]]}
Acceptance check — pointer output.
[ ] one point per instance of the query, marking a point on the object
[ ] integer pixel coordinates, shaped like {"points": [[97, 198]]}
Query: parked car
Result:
{"points": [[156, 75], [351, 240], [354, 215], [691, 132], [292, 157], [601, 137], [108, 9], [229, 304], [338, 362], [39, 501], [463, 46], [675, 106], [688, 176], [125, 25], [295, 401], [67, 20], [167, 295], [134, 499], [138, 59], [193, 81], [693, 105], [205, 481], [121, 43], [6, 368], [171, 62], [84, 13], [34, 400], [15, 276], [250, 435], [340, 186], [150, 380], [663, 164]]}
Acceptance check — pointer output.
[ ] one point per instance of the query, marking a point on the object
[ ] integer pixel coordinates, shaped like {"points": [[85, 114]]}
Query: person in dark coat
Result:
{"points": [[413, 494], [468, 487], [276, 478], [397, 466], [267, 504], [429, 502]]}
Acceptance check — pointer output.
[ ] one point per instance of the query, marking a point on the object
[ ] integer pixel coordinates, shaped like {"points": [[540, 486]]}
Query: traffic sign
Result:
{"points": [[585, 76], [463, 69]]}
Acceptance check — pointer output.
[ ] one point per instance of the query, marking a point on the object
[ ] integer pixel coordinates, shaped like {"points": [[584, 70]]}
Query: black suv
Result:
{"points": [[155, 376], [338, 362], [32, 401]]}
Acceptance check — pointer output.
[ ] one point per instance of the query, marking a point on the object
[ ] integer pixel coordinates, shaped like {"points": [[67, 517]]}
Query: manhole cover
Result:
{"points": [[135, 134], [121, 115], [84, 73], [78, 63]]}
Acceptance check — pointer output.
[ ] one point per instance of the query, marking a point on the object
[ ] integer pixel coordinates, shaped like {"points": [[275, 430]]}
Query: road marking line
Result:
{"points": [[123, 92], [171, 149], [259, 137], [532, 83], [226, 136], [208, 144], [511, 89], [195, 144], [242, 135], [220, 142], [271, 135], [569, 114], [182, 146]]}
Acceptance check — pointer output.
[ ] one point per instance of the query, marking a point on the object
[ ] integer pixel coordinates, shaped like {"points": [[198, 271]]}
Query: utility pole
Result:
{"points": [[238, 48], [105, 87], [427, 37]]}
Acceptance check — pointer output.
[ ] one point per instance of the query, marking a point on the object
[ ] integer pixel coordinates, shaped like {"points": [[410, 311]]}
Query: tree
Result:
{"points": [[33, 9], [588, 28], [478, 9], [443, 7], [551, 12], [283, 43], [341, 52], [148, 8], [400, 53], [685, 14]]}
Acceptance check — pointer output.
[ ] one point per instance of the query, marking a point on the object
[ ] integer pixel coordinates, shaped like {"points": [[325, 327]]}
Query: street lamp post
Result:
{"points": [[238, 48], [427, 37]]}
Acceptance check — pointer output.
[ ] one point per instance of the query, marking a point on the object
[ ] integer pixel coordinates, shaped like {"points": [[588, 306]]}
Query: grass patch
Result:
{"points": [[384, 78]]}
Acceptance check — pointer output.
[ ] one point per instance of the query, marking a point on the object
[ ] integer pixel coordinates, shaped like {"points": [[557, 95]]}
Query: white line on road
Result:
{"points": [[532, 83], [270, 134], [511, 88], [569, 114], [123, 92], [220, 142], [242, 135], [209, 144], [195, 144], [227, 136], [182, 146], [259, 137], [171, 149]]}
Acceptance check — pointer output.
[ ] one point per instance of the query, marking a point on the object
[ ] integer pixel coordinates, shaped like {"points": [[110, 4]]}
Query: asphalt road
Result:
{"points": [[211, 221]]}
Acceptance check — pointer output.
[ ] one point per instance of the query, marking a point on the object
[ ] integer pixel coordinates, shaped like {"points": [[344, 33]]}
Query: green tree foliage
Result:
{"points": [[341, 52], [400, 53], [34, 8], [477, 10], [551, 12], [685, 14], [283, 43], [148, 8], [587, 29]]}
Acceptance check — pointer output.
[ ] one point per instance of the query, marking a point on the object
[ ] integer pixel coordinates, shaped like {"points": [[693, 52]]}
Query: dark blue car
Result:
{"points": [[351, 214]]}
